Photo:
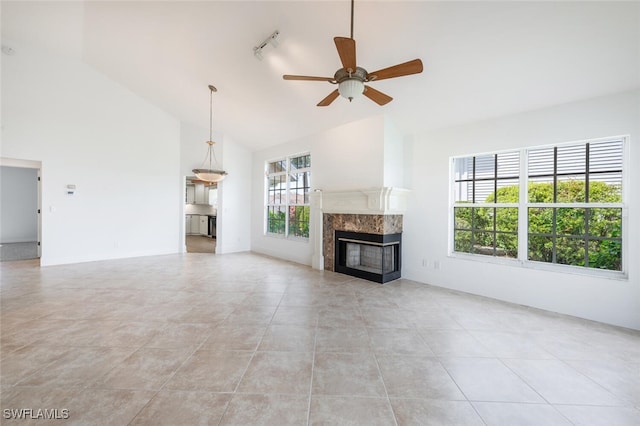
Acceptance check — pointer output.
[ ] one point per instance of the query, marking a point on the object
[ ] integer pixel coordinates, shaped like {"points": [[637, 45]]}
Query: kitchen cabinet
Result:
{"points": [[203, 222], [192, 224], [213, 197], [191, 194], [187, 224], [201, 194], [195, 224]]}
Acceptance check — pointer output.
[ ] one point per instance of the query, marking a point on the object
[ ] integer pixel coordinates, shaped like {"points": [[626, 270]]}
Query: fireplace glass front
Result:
{"points": [[369, 256]]}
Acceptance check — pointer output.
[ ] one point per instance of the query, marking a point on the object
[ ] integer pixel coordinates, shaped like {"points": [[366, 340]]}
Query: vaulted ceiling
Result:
{"points": [[481, 59]]}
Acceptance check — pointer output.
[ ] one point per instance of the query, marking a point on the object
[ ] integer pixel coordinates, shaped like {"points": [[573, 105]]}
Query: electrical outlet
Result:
{"points": [[436, 264]]}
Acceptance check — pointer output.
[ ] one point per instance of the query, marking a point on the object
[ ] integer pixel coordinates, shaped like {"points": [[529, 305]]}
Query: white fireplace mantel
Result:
{"points": [[386, 200], [377, 201]]}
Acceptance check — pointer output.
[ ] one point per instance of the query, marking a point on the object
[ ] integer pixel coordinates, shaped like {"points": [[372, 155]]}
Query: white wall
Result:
{"points": [[393, 155], [18, 204], [350, 156], [234, 199], [194, 148], [426, 223], [119, 150]]}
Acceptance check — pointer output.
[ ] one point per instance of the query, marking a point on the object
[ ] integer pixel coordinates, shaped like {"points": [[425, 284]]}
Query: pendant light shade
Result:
{"points": [[210, 174]]}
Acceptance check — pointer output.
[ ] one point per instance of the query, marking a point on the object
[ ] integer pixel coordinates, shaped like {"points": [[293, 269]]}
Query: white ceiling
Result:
{"points": [[481, 59]]}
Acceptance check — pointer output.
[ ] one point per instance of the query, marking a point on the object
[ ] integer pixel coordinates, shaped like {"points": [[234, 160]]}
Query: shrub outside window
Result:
{"points": [[569, 197], [485, 212], [288, 184]]}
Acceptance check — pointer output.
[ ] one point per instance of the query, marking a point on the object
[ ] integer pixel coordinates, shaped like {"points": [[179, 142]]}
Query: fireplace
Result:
{"points": [[367, 223], [373, 257]]}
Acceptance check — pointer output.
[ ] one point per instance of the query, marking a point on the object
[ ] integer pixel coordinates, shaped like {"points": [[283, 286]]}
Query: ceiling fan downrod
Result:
{"points": [[352, 2]]}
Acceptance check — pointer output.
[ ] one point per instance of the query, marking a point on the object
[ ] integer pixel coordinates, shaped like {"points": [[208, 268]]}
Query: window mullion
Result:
{"points": [[286, 198], [587, 211], [523, 207], [473, 189]]}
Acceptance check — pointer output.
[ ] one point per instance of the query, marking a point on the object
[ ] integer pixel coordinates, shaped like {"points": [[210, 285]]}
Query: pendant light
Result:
{"points": [[210, 174]]}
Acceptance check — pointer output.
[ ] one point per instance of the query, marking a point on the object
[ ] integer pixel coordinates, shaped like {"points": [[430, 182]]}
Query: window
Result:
{"points": [[560, 204], [288, 184], [485, 216]]}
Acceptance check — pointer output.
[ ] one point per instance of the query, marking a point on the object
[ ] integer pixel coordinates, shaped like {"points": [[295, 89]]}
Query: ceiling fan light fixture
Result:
{"points": [[351, 88], [351, 78]]}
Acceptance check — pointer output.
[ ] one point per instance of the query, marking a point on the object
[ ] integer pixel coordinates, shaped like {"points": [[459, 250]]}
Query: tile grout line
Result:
{"points": [[170, 377], [235, 390], [313, 365], [375, 357]]}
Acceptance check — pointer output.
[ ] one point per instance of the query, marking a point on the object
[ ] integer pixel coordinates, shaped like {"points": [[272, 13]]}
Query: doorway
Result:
{"points": [[201, 208], [20, 210]]}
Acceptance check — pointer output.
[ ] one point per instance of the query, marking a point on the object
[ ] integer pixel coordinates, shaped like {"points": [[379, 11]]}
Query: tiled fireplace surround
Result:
{"points": [[373, 211], [364, 223]]}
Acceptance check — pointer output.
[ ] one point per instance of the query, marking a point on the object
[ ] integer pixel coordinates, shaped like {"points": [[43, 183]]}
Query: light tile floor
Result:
{"points": [[18, 251], [200, 244], [245, 339]]}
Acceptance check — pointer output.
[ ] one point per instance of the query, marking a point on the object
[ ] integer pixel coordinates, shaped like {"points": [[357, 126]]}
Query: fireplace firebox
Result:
{"points": [[369, 256]]}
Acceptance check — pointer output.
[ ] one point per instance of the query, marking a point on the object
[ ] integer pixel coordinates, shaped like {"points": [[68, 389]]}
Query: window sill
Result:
{"points": [[541, 266], [282, 237]]}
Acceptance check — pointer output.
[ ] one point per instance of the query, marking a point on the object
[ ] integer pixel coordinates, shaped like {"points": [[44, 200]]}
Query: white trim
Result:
{"points": [[623, 138], [541, 266], [377, 201], [30, 164], [523, 214], [451, 222], [487, 205], [626, 182], [577, 205], [14, 162]]}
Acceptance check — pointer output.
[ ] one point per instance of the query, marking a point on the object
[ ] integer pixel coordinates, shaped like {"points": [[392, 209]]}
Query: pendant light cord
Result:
{"points": [[210, 125], [211, 152]]}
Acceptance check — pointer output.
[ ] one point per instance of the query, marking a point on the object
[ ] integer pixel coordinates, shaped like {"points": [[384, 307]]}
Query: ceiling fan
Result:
{"points": [[351, 78]]}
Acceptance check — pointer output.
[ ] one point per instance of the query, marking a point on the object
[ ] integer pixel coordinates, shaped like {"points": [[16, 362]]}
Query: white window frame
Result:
{"points": [[288, 203], [523, 209]]}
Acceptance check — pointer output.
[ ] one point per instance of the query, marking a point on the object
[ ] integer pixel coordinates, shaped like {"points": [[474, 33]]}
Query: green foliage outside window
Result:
{"points": [[299, 221], [487, 230], [276, 221], [572, 236]]}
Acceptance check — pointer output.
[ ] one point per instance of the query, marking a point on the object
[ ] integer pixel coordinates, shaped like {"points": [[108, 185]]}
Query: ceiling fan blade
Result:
{"points": [[406, 68], [332, 97], [376, 95], [306, 77], [347, 52]]}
